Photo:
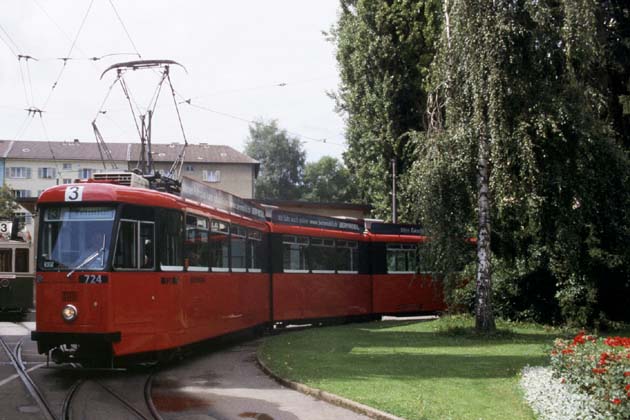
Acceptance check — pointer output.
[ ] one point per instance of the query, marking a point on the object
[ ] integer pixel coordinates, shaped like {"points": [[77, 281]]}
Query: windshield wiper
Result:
{"points": [[87, 260]]}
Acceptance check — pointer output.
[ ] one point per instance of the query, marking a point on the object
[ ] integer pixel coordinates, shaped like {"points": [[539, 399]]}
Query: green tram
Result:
{"points": [[17, 274]]}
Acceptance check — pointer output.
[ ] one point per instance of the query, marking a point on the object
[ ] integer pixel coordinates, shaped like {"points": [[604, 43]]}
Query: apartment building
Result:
{"points": [[29, 167], [221, 167]]}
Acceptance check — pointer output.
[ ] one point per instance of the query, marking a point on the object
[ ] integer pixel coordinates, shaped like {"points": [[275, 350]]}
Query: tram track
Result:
{"points": [[15, 357], [88, 389], [113, 391]]}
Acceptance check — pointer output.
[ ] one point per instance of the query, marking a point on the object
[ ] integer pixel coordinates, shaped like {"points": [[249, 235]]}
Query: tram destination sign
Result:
{"points": [[197, 191], [313, 221], [394, 229]]}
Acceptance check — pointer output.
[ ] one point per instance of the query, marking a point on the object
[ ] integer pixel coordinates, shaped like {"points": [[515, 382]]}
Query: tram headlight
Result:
{"points": [[69, 313]]}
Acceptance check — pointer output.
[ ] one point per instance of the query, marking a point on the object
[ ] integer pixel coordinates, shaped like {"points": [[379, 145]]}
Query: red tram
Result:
{"points": [[131, 271]]}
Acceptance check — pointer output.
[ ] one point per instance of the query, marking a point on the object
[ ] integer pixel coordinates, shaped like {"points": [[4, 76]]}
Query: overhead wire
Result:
{"points": [[14, 48], [259, 87], [125, 28], [180, 158], [246, 120], [28, 103], [52, 152], [30, 81], [74, 42]]}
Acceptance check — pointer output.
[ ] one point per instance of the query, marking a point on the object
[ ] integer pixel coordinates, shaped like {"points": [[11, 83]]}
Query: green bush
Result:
{"points": [[599, 367]]}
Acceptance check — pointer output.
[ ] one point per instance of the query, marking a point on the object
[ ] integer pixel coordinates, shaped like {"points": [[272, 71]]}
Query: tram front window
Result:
{"points": [[75, 237]]}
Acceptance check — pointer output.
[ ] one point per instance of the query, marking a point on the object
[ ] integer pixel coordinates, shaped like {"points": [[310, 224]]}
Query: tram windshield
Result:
{"points": [[75, 238]]}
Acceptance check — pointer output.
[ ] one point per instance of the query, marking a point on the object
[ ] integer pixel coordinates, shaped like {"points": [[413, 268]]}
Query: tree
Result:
{"points": [[521, 130], [613, 19], [281, 160], [327, 180], [384, 49], [8, 206]]}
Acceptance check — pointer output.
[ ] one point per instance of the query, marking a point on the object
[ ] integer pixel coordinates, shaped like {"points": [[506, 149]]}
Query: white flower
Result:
{"points": [[552, 400]]}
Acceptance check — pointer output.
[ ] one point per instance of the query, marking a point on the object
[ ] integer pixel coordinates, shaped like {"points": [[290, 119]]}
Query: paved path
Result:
{"points": [[229, 385]]}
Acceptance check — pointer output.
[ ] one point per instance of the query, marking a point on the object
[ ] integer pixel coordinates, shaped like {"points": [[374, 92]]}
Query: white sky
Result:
{"points": [[236, 53]]}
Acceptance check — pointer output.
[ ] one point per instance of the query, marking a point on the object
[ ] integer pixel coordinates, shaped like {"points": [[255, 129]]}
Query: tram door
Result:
{"points": [[136, 287]]}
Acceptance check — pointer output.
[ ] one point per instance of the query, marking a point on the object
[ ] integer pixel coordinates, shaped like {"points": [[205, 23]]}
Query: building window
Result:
{"points": [[85, 173], [67, 181], [189, 168], [212, 176], [18, 173], [67, 166], [47, 173], [21, 193]]}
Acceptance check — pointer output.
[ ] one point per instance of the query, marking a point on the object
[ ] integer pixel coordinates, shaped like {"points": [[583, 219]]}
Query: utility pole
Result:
{"points": [[394, 212]]}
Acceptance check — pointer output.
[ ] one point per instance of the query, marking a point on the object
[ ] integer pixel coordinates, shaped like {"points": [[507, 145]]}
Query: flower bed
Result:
{"points": [[598, 367]]}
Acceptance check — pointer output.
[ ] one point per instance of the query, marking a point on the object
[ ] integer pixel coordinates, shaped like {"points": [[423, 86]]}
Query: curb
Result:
{"points": [[327, 396]]}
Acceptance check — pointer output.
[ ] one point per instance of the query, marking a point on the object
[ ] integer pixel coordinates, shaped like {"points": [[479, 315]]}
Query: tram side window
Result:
{"points": [[147, 245], [5, 260], [127, 246], [294, 253], [401, 258], [219, 246], [322, 255], [238, 241], [171, 241], [196, 243], [347, 256], [135, 248], [21, 260], [255, 251]]}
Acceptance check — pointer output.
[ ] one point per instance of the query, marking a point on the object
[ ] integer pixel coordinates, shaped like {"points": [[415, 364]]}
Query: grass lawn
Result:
{"points": [[416, 370]]}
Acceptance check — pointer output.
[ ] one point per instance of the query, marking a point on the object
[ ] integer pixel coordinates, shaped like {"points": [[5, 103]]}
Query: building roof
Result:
{"points": [[77, 150], [202, 153], [62, 150]]}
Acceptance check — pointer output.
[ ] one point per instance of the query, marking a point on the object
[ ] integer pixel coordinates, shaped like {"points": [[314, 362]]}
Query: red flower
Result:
{"points": [[626, 373], [579, 339], [617, 342], [616, 401], [567, 351], [599, 370], [627, 388]]}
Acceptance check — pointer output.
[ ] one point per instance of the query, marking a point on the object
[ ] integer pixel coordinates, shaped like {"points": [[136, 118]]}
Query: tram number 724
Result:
{"points": [[92, 278]]}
